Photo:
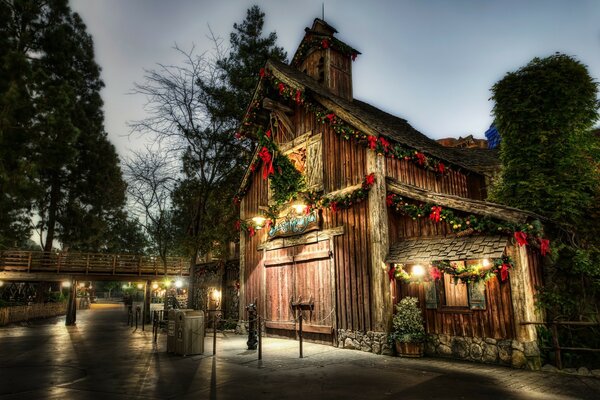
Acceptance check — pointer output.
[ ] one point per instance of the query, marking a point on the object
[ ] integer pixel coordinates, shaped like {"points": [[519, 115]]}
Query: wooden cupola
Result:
{"points": [[326, 59]]}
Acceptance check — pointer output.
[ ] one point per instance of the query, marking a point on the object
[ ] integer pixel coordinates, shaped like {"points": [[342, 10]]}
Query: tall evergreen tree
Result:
{"points": [[545, 112], [56, 161]]}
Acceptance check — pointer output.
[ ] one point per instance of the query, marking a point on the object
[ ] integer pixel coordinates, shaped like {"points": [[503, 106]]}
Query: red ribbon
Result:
{"points": [[435, 213], [298, 96], [521, 238], [504, 272], [281, 87], [544, 246], [266, 158], [330, 117], [389, 200], [372, 142], [391, 273], [384, 143], [333, 206], [251, 231], [441, 168], [325, 43], [261, 73], [420, 158], [435, 273], [369, 180]]}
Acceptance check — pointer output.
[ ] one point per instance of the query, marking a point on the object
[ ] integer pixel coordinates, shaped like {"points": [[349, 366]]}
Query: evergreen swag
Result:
{"points": [[322, 42], [379, 144], [465, 274], [523, 233]]}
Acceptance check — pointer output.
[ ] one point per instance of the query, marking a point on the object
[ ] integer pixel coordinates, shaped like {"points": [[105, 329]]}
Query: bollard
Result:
{"points": [[259, 339], [214, 334], [300, 332], [252, 314]]}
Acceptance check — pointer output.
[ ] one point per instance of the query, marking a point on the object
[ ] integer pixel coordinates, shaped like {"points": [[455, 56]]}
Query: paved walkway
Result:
{"points": [[102, 358]]}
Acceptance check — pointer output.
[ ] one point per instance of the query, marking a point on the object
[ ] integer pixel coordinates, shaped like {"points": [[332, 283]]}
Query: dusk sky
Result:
{"points": [[431, 62]]}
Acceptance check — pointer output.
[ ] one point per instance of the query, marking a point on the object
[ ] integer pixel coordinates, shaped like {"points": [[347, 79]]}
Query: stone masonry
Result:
{"points": [[485, 350]]}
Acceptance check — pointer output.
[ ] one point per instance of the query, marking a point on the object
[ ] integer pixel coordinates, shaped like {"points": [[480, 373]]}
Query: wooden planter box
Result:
{"points": [[407, 349]]}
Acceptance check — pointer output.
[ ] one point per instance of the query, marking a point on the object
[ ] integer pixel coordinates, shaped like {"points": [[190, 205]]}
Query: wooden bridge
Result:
{"points": [[46, 265]]}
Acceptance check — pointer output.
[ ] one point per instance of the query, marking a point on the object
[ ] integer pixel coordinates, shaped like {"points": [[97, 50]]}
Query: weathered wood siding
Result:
{"points": [[332, 68], [344, 164], [496, 321], [455, 182]]}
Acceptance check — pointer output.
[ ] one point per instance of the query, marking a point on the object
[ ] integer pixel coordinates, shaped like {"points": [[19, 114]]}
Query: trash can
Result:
{"points": [[193, 333], [179, 321]]}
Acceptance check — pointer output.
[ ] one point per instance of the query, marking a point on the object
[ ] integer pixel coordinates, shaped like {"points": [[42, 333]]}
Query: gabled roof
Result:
{"points": [[374, 121], [447, 248]]}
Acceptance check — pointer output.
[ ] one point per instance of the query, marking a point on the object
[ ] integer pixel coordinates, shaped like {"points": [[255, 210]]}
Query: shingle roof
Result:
{"points": [[447, 248], [388, 125]]}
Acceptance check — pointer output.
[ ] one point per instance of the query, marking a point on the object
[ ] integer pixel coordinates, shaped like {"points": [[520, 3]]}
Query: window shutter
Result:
{"points": [[314, 163], [477, 295], [431, 295]]}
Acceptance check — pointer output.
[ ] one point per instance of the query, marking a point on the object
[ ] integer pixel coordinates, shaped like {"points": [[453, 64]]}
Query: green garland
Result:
{"points": [[470, 223], [341, 202], [466, 274], [322, 42], [379, 144]]}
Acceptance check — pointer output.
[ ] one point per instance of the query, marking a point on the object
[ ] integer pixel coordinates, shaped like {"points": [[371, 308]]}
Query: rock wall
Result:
{"points": [[371, 342], [10, 315], [487, 350]]}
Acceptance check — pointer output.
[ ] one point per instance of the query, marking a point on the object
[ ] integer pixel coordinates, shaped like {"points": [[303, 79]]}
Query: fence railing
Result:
{"points": [[558, 349], [91, 263]]}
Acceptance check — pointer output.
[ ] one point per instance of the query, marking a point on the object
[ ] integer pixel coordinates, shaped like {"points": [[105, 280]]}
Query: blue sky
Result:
{"points": [[431, 62]]}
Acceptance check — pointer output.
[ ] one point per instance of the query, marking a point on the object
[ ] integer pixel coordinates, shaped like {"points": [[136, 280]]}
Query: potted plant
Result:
{"points": [[408, 330]]}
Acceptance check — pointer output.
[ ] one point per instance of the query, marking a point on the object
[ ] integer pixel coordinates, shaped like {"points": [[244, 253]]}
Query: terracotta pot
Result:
{"points": [[408, 349]]}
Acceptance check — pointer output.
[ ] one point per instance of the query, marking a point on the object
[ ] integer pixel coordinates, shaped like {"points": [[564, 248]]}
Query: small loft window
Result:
{"points": [[321, 70]]}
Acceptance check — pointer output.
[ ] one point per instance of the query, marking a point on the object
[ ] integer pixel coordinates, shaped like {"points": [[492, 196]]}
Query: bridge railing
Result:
{"points": [[90, 263]]}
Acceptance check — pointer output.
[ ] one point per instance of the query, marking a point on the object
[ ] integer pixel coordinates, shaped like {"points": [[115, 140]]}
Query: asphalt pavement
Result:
{"points": [[103, 358]]}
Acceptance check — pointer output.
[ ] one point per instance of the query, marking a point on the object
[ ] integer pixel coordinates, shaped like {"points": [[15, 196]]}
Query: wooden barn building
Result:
{"points": [[387, 213]]}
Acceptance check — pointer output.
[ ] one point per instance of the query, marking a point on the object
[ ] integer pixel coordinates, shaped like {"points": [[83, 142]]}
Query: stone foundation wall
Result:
{"points": [[487, 350], [371, 342]]}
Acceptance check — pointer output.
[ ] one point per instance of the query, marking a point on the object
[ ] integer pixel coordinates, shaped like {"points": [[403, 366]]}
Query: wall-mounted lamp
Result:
{"points": [[485, 263], [178, 283], [140, 286], [168, 283], [259, 222], [216, 297], [417, 270], [299, 207], [154, 285], [65, 284]]}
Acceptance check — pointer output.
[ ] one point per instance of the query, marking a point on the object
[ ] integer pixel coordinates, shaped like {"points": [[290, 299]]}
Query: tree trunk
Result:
{"points": [[52, 210]]}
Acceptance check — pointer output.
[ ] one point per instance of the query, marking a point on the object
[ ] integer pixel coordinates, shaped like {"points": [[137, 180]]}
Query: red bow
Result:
{"points": [[420, 158], [268, 133], [441, 168], [372, 142], [330, 117], [238, 225], [281, 87], [251, 231], [333, 206], [435, 273], [261, 73], [369, 180], [389, 200], [298, 96], [266, 158], [325, 43], [354, 56], [504, 272], [384, 143], [391, 273], [435, 213], [521, 238], [544, 246]]}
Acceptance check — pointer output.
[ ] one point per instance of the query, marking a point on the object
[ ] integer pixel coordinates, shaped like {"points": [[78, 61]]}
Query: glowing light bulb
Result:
{"points": [[418, 270]]}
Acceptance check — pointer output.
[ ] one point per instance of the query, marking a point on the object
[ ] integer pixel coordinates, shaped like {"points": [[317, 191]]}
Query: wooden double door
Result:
{"points": [[300, 273]]}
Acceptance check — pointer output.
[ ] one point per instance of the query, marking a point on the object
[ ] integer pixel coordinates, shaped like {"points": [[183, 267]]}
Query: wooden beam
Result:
{"points": [[484, 208], [307, 238], [270, 104], [291, 326]]}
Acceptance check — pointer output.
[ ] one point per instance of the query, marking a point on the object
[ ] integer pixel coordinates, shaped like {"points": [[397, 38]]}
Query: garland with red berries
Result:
{"points": [[322, 42]]}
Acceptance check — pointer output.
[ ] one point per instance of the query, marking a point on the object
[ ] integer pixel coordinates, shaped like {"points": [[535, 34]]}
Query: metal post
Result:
{"points": [[259, 339], [72, 305], [557, 357], [214, 333], [300, 332]]}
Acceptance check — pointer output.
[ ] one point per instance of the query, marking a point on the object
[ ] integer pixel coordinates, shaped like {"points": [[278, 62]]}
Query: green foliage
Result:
{"points": [[56, 162], [407, 323], [545, 112]]}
